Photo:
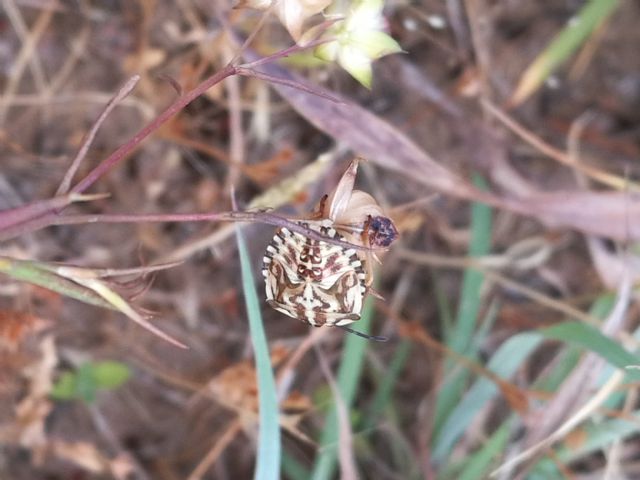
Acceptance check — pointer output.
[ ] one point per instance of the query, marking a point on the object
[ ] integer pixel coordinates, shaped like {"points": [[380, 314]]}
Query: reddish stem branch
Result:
{"points": [[15, 217], [91, 135], [255, 217], [42, 214], [284, 53], [249, 72], [120, 154]]}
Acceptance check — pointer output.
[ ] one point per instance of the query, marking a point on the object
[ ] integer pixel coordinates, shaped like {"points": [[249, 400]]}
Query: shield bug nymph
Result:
{"points": [[314, 281]]}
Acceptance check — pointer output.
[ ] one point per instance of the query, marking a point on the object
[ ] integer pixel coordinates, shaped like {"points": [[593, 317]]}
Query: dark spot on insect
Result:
{"points": [[381, 231], [320, 318], [316, 257], [331, 264]]}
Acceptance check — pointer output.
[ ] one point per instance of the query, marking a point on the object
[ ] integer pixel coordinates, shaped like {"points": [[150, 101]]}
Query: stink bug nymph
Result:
{"points": [[314, 281]]}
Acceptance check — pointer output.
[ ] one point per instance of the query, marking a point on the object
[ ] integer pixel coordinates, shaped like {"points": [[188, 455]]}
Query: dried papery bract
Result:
{"points": [[235, 389], [291, 13], [359, 218], [337, 202]]}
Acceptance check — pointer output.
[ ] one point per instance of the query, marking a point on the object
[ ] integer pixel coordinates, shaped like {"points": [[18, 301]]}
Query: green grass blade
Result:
{"points": [[570, 356], [292, 468], [480, 462], [384, 391], [269, 446], [596, 438], [568, 359], [481, 227], [562, 47], [460, 337], [601, 435], [588, 337], [445, 314], [348, 378], [504, 363]]}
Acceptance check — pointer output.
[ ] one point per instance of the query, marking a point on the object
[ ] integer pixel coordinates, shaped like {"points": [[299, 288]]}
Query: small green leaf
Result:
{"points": [[375, 44], [356, 62], [358, 40], [109, 374], [85, 382], [65, 387], [586, 336], [562, 46]]}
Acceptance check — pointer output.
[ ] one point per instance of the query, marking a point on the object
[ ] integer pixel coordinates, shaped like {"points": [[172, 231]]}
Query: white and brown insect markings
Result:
{"points": [[317, 282]]}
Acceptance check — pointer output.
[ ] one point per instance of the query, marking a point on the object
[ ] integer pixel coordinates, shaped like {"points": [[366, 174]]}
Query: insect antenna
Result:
{"points": [[364, 335]]}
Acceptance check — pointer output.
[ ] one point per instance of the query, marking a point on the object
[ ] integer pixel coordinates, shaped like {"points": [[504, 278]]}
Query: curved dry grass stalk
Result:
{"points": [[216, 450], [556, 154], [461, 263], [552, 426], [27, 55]]}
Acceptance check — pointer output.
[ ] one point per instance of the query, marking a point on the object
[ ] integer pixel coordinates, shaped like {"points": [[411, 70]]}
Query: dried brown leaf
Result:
{"points": [[236, 389], [15, 326], [370, 136], [610, 214], [83, 454], [32, 411]]}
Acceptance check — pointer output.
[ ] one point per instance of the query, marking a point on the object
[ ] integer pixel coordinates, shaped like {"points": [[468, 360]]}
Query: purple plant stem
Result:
{"points": [[24, 213], [285, 53], [91, 135], [120, 154], [249, 72], [41, 214], [256, 217]]}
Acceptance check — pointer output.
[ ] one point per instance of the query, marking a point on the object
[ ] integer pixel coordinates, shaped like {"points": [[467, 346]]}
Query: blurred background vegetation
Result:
{"points": [[503, 141]]}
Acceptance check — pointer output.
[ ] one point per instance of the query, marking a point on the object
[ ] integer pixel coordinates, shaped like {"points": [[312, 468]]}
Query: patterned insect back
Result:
{"points": [[314, 281], [322, 283]]}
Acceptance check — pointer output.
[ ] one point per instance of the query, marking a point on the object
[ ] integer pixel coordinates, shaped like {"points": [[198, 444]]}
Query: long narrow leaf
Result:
{"points": [[35, 274], [269, 447], [348, 377], [586, 336], [481, 221], [504, 362], [562, 46], [388, 381], [479, 464], [459, 339]]}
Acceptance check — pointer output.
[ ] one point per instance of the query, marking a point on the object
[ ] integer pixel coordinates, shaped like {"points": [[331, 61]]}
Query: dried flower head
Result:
{"points": [[359, 40], [292, 13]]}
